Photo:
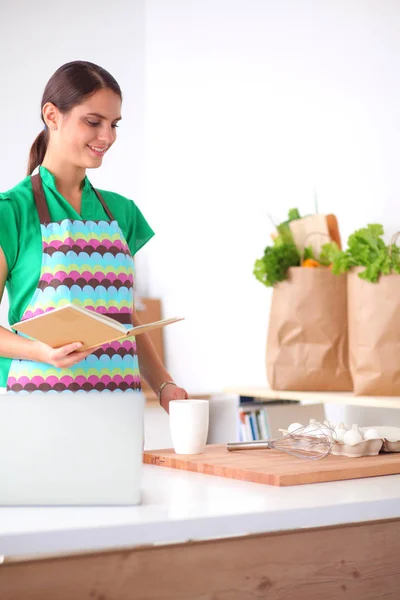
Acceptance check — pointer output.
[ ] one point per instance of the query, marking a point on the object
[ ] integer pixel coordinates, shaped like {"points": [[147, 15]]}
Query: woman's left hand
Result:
{"points": [[172, 392]]}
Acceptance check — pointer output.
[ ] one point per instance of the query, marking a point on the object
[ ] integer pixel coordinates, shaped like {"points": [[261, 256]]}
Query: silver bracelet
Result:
{"points": [[162, 386]]}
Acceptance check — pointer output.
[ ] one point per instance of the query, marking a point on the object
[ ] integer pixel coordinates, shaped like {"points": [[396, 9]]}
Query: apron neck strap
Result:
{"points": [[104, 205], [41, 202]]}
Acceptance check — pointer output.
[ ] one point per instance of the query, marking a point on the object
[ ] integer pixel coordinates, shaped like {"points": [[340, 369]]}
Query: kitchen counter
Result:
{"points": [[178, 506], [197, 537]]}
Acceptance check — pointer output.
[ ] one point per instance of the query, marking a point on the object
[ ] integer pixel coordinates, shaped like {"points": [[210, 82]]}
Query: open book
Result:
{"points": [[71, 323]]}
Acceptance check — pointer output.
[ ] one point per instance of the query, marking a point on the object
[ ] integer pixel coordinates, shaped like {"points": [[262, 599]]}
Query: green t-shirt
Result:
{"points": [[21, 240]]}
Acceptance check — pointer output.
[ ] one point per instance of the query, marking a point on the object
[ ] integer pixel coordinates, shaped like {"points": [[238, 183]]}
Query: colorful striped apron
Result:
{"points": [[89, 264]]}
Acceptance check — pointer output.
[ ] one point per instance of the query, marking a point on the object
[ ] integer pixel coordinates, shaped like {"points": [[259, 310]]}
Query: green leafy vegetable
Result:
{"points": [[285, 235], [329, 253], [308, 253], [273, 266], [366, 248], [294, 214]]}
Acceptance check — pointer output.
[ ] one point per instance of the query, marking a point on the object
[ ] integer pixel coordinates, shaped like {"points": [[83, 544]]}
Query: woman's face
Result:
{"points": [[88, 130]]}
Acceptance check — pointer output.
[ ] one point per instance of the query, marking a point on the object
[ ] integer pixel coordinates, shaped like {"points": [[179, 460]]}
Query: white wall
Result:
{"points": [[251, 105], [234, 109], [48, 35], [35, 39]]}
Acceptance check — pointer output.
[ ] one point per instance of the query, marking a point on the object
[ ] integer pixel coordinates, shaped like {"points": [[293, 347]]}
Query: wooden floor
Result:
{"points": [[357, 562]]}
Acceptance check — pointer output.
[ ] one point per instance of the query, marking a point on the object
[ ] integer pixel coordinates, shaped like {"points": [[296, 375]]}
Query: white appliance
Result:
{"points": [[71, 449]]}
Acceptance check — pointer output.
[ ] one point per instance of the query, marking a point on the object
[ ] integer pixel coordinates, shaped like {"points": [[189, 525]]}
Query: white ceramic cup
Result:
{"points": [[188, 421]]}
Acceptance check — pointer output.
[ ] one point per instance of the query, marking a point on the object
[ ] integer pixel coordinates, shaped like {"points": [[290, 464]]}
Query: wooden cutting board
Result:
{"points": [[273, 467]]}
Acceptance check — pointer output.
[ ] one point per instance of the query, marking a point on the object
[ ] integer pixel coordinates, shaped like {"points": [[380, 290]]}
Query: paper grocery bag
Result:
{"points": [[374, 334], [307, 343]]}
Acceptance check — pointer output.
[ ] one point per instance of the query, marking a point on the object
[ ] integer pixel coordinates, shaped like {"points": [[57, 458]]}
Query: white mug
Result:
{"points": [[188, 421]]}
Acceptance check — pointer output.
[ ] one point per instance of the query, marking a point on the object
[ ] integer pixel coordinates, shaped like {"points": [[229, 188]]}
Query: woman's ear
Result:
{"points": [[51, 115]]}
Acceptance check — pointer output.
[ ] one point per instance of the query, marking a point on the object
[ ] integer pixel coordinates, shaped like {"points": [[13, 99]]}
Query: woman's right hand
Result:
{"points": [[63, 357]]}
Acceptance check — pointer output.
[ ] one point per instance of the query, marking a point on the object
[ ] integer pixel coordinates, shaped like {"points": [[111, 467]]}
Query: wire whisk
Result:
{"points": [[311, 442]]}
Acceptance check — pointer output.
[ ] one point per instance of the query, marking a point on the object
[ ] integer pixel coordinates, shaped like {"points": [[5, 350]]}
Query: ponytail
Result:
{"points": [[38, 151]]}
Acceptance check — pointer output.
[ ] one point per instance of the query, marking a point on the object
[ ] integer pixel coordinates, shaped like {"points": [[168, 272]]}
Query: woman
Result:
{"points": [[62, 240]]}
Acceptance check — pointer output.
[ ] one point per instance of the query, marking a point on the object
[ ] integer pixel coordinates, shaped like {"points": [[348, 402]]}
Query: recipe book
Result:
{"points": [[71, 323]]}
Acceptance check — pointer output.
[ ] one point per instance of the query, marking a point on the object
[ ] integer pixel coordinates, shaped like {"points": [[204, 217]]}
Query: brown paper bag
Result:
{"points": [[374, 334], [307, 345]]}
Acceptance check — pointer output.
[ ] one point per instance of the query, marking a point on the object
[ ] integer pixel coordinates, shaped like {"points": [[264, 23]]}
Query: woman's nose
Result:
{"points": [[107, 134]]}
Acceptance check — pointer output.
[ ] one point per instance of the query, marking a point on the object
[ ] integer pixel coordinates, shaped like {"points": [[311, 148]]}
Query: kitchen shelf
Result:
{"points": [[345, 398]]}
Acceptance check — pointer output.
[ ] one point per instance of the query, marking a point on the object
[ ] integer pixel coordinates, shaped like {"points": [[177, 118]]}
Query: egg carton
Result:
{"points": [[385, 439], [390, 437], [364, 448], [379, 439]]}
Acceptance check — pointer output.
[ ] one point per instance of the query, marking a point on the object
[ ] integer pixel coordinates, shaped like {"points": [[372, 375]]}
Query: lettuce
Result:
{"points": [[366, 248]]}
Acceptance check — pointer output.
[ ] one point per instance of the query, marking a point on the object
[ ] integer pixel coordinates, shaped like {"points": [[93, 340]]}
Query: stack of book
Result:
{"points": [[254, 420], [253, 424]]}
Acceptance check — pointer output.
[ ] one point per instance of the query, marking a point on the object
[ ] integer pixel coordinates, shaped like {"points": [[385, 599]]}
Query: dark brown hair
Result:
{"points": [[70, 85]]}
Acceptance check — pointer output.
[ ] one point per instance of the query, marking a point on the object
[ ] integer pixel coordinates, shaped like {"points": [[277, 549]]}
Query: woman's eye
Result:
{"points": [[97, 123]]}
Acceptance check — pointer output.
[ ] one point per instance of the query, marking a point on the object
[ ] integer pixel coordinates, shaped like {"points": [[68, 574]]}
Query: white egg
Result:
{"points": [[372, 434], [339, 432], [352, 437], [293, 426]]}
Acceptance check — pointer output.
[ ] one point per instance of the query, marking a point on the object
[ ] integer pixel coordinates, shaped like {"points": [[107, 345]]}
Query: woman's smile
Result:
{"points": [[97, 150]]}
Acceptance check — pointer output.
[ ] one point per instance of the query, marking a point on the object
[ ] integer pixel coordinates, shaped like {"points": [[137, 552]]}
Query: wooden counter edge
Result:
{"points": [[359, 561]]}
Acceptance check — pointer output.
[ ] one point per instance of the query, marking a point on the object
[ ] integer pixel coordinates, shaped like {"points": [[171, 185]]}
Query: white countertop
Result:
{"points": [[179, 506]]}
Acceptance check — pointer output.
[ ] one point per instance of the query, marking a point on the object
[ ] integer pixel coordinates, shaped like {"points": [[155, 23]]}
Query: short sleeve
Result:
{"points": [[8, 231], [139, 231]]}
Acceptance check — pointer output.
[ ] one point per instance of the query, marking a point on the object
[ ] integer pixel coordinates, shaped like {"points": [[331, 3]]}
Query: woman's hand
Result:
{"points": [[63, 357], [171, 392]]}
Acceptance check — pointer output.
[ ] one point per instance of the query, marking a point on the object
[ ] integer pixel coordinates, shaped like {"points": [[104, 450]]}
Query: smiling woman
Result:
{"points": [[62, 241], [83, 134], [80, 108]]}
